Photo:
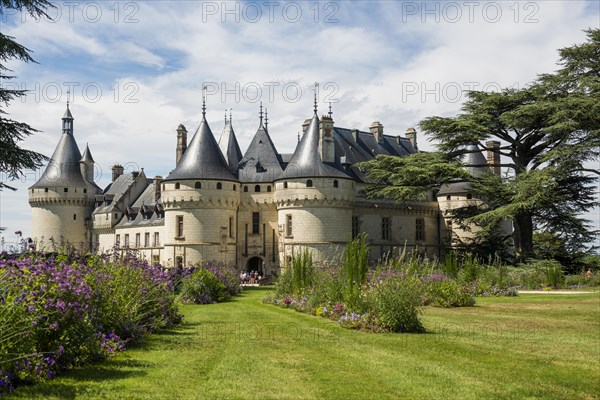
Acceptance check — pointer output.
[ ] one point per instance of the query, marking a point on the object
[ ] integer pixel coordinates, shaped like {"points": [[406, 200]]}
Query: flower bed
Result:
{"points": [[56, 313]]}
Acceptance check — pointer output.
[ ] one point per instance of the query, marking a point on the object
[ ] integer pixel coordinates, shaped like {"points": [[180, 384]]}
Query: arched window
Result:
{"points": [[177, 186], [309, 183], [234, 187], [269, 188], [257, 188], [285, 185], [469, 196], [335, 183], [245, 188], [198, 185], [219, 186]]}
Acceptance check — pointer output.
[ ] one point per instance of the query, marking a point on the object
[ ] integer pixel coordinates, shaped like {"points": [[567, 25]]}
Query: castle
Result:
{"points": [[253, 210]]}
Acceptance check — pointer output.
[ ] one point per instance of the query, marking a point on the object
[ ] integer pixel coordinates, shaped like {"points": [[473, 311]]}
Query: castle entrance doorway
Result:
{"points": [[255, 264]]}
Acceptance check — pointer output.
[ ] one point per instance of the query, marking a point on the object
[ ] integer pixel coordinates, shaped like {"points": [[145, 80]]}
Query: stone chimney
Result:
{"points": [[493, 156], [117, 171], [181, 142], [326, 143], [377, 130], [411, 134], [156, 181]]}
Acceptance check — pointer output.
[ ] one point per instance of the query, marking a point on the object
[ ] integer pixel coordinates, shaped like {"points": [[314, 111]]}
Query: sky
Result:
{"points": [[134, 71]]}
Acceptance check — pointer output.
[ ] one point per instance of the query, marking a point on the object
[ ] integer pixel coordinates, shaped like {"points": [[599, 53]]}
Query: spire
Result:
{"points": [[203, 102], [87, 155], [260, 114], [330, 112], [298, 136], [225, 116], [230, 119], [316, 89], [266, 118]]}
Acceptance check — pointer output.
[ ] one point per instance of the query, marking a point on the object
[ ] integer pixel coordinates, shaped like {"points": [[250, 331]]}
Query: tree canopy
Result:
{"points": [[14, 159], [549, 134]]}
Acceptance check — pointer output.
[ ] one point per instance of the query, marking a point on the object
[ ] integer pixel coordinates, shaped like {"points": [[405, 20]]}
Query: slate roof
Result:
{"points": [[306, 161], [144, 211], [202, 158], [63, 168], [114, 192], [229, 146], [262, 162], [87, 155]]}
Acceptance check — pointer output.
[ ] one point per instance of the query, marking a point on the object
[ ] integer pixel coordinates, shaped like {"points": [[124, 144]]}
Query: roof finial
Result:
{"points": [[68, 97], [203, 101], [266, 118], [230, 119], [260, 114], [298, 136], [316, 89], [225, 116], [330, 112]]}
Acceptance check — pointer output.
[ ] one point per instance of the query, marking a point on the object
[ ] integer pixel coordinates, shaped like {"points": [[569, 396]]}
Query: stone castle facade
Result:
{"points": [[254, 209]]}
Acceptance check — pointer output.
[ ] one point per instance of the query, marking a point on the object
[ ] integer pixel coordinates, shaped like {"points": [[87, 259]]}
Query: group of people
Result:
{"points": [[250, 278]]}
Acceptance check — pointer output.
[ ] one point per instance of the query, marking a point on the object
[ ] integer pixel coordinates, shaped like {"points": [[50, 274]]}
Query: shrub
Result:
{"points": [[203, 287], [442, 292], [395, 302]]}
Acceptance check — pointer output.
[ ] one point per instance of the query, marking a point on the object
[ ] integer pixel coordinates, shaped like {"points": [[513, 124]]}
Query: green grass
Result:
{"points": [[531, 346]]}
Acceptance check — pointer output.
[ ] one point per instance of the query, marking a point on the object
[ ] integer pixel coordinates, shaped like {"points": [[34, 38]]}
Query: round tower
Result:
{"points": [[200, 197], [62, 200], [314, 197]]}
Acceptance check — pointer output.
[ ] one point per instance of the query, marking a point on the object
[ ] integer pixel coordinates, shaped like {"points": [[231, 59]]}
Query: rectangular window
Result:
{"points": [[137, 240], [74, 217], [255, 223], [156, 239], [126, 240], [420, 229], [288, 225], [386, 228], [231, 226], [118, 240], [147, 239], [179, 227], [155, 259], [355, 226]]}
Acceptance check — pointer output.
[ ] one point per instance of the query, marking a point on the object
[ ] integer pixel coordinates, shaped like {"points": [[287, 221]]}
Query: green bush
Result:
{"points": [[395, 302], [203, 287], [447, 293]]}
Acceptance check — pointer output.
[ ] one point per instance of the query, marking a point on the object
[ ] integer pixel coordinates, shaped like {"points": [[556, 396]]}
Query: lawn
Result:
{"points": [[531, 346]]}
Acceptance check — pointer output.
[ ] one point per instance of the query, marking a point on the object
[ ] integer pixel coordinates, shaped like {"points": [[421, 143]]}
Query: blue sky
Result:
{"points": [[136, 69]]}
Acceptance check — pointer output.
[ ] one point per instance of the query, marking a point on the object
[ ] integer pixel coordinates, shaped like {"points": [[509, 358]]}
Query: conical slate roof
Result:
{"points": [[202, 158], [229, 146], [261, 161], [475, 161], [63, 168], [306, 161], [87, 155]]}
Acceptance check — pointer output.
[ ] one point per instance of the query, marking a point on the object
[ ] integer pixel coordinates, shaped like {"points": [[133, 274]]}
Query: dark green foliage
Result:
{"points": [[13, 159]]}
